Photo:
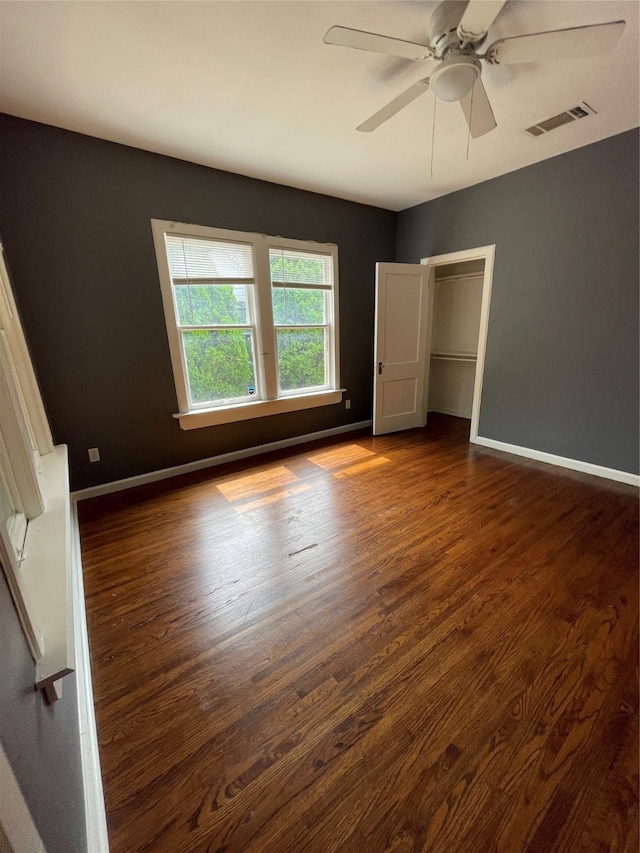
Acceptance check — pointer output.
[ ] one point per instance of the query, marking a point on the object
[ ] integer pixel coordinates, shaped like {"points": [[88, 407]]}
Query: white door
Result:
{"points": [[401, 331]]}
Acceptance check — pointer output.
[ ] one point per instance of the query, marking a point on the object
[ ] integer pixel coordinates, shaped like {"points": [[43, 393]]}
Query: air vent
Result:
{"points": [[566, 117]]}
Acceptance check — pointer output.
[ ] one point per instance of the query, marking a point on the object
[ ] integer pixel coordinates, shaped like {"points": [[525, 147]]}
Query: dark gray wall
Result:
{"points": [[42, 742], [561, 371], [562, 358], [75, 222]]}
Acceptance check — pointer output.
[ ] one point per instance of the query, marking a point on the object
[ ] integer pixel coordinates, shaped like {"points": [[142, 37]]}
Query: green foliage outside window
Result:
{"points": [[301, 358], [220, 362], [306, 270]]}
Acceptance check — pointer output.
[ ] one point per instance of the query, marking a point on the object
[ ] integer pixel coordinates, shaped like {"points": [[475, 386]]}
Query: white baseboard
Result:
{"points": [[561, 461], [95, 814], [212, 461], [457, 413]]}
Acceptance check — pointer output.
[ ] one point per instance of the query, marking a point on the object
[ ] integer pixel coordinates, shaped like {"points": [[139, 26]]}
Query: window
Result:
{"points": [[213, 287], [35, 533], [302, 301], [251, 320], [21, 494]]}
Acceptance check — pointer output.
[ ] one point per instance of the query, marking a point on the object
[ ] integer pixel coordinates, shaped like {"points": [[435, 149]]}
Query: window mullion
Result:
{"points": [[329, 338], [285, 326], [266, 325], [334, 333], [299, 285], [214, 327], [196, 282]]}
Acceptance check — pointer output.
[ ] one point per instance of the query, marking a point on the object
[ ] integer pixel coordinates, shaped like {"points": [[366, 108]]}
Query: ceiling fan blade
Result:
{"points": [[346, 37], [573, 43], [477, 19], [477, 110], [394, 106]]}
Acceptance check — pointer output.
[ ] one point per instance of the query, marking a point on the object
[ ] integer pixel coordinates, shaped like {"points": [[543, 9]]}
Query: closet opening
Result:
{"points": [[457, 303], [460, 287]]}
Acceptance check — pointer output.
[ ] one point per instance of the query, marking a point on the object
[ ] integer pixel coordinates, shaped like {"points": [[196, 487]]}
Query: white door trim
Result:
{"points": [[486, 253]]}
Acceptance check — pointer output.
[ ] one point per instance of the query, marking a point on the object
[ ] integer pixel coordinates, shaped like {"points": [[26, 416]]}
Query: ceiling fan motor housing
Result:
{"points": [[443, 27]]}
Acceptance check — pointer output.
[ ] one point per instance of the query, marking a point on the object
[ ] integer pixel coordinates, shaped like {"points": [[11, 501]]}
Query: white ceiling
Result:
{"points": [[250, 87]]}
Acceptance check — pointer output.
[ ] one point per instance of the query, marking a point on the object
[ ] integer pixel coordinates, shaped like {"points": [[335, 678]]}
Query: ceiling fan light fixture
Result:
{"points": [[455, 77]]}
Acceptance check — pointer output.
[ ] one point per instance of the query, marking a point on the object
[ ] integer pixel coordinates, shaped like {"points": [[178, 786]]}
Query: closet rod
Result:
{"points": [[469, 359], [460, 276]]}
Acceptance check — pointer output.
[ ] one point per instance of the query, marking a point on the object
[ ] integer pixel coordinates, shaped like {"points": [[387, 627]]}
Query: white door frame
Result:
{"points": [[487, 254]]}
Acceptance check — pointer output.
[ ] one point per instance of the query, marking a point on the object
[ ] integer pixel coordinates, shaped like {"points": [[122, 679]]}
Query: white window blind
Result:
{"points": [[195, 260], [299, 269]]}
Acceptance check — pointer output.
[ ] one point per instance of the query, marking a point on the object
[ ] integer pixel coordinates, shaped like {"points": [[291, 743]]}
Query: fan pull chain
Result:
{"points": [[470, 121], [433, 132], [186, 272]]}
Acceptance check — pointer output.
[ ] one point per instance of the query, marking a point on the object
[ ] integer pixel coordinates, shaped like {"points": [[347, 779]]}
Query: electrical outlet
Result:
{"points": [[347, 404], [94, 454]]}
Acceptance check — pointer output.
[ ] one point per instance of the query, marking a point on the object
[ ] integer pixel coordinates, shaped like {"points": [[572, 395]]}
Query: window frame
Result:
{"points": [[19, 456], [330, 312], [251, 325], [35, 546], [269, 399]]}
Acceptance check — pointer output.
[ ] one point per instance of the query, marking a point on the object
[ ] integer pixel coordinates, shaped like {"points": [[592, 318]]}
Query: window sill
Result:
{"points": [[258, 409]]}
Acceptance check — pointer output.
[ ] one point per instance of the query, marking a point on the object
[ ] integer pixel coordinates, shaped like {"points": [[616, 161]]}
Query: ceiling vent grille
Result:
{"points": [[566, 117]]}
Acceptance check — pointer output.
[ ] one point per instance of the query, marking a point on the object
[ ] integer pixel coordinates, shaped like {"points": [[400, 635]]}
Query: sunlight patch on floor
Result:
{"points": [[273, 498], [341, 456], [361, 467], [255, 484]]}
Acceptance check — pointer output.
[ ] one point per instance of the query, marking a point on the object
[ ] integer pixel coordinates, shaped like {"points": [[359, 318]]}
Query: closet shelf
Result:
{"points": [[455, 356]]}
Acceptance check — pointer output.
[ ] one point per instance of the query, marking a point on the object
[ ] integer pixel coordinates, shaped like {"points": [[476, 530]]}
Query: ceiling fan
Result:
{"points": [[457, 29]]}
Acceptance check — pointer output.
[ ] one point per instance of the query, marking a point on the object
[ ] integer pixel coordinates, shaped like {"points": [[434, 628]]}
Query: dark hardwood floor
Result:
{"points": [[402, 643]]}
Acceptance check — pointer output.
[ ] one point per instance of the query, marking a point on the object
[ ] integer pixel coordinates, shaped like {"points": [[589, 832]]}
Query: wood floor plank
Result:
{"points": [[396, 643]]}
